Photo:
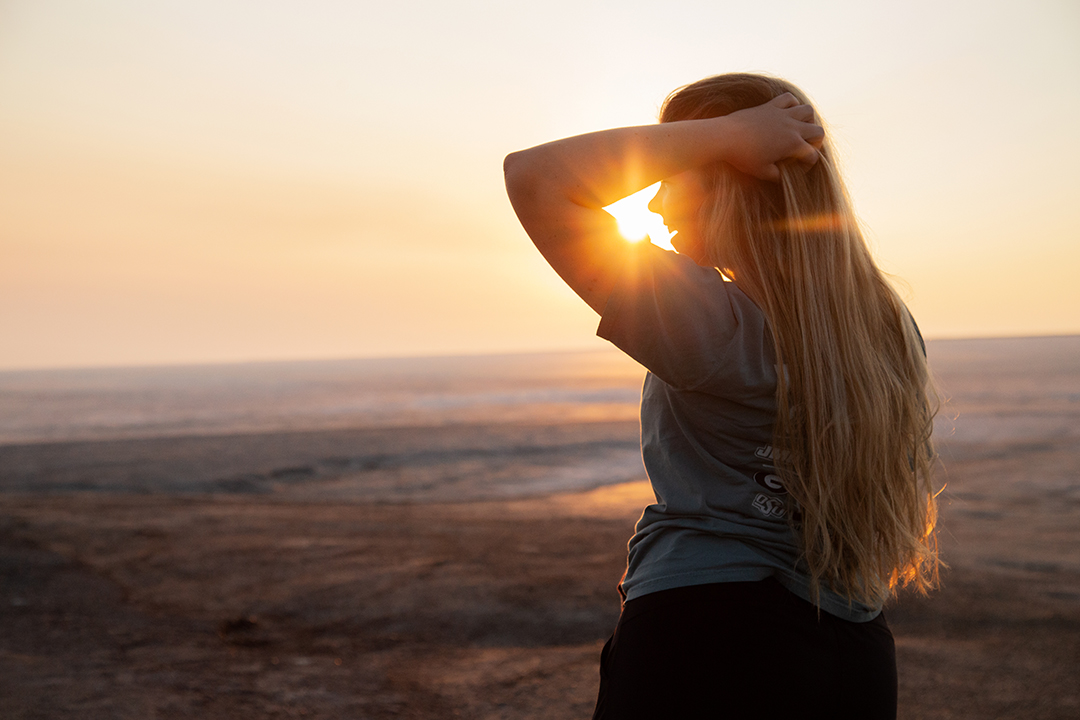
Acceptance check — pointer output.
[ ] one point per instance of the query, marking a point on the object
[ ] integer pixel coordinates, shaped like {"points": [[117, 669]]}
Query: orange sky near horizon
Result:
{"points": [[234, 181]]}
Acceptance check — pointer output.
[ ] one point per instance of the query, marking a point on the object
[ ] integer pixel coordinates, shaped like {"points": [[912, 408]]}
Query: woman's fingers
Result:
{"points": [[803, 112], [814, 134], [782, 129], [811, 132], [786, 100]]}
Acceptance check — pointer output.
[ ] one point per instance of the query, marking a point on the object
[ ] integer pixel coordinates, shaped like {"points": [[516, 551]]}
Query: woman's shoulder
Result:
{"points": [[684, 322]]}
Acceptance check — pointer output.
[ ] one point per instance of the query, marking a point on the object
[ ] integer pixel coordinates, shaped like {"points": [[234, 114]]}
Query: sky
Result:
{"points": [[226, 181]]}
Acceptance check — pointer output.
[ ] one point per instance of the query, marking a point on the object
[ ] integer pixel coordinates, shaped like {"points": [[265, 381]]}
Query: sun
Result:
{"points": [[636, 222]]}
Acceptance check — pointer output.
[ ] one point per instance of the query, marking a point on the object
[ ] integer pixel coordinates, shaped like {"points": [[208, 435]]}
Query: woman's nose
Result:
{"points": [[656, 205]]}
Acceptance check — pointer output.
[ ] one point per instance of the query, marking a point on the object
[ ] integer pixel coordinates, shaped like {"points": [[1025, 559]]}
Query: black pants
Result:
{"points": [[744, 650]]}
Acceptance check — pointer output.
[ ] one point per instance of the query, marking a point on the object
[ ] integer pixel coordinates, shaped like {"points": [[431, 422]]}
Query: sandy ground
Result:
{"points": [[286, 574], [123, 606]]}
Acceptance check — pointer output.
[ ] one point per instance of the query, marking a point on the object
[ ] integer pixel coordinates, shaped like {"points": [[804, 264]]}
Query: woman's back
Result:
{"points": [[854, 403]]}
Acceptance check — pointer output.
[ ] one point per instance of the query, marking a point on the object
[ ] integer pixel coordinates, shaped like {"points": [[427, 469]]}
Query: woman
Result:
{"points": [[785, 418]]}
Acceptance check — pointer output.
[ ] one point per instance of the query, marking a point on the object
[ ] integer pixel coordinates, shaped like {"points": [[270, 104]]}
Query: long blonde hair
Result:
{"points": [[855, 404]]}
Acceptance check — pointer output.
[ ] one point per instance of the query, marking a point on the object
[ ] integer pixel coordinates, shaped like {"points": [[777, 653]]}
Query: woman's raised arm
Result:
{"points": [[559, 189]]}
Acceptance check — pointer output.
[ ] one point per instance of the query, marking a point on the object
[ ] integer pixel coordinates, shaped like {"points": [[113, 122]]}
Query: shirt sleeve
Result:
{"points": [[671, 315]]}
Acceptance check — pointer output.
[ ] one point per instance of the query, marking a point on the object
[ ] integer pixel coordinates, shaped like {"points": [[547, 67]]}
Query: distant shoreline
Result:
{"points": [[450, 357]]}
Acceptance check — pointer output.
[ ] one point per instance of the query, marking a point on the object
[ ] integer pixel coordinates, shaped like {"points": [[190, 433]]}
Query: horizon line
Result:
{"points": [[423, 356]]}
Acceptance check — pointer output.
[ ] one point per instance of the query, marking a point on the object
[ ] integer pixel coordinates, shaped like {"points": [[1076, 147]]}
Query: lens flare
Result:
{"points": [[636, 222]]}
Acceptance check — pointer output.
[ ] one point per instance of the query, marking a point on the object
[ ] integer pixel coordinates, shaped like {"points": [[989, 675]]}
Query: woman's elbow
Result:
{"points": [[518, 174], [510, 162]]}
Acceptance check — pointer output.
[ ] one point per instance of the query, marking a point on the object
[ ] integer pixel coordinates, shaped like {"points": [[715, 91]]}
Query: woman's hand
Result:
{"points": [[758, 138]]}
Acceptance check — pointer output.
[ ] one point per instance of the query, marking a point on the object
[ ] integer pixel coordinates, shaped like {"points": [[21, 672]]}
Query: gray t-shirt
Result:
{"points": [[708, 408]]}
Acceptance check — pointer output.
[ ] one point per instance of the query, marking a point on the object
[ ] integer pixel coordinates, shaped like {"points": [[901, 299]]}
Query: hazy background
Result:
{"points": [[227, 181]]}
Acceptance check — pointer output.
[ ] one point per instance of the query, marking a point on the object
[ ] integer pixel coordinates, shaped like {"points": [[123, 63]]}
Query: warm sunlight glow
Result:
{"points": [[636, 222], [208, 182]]}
